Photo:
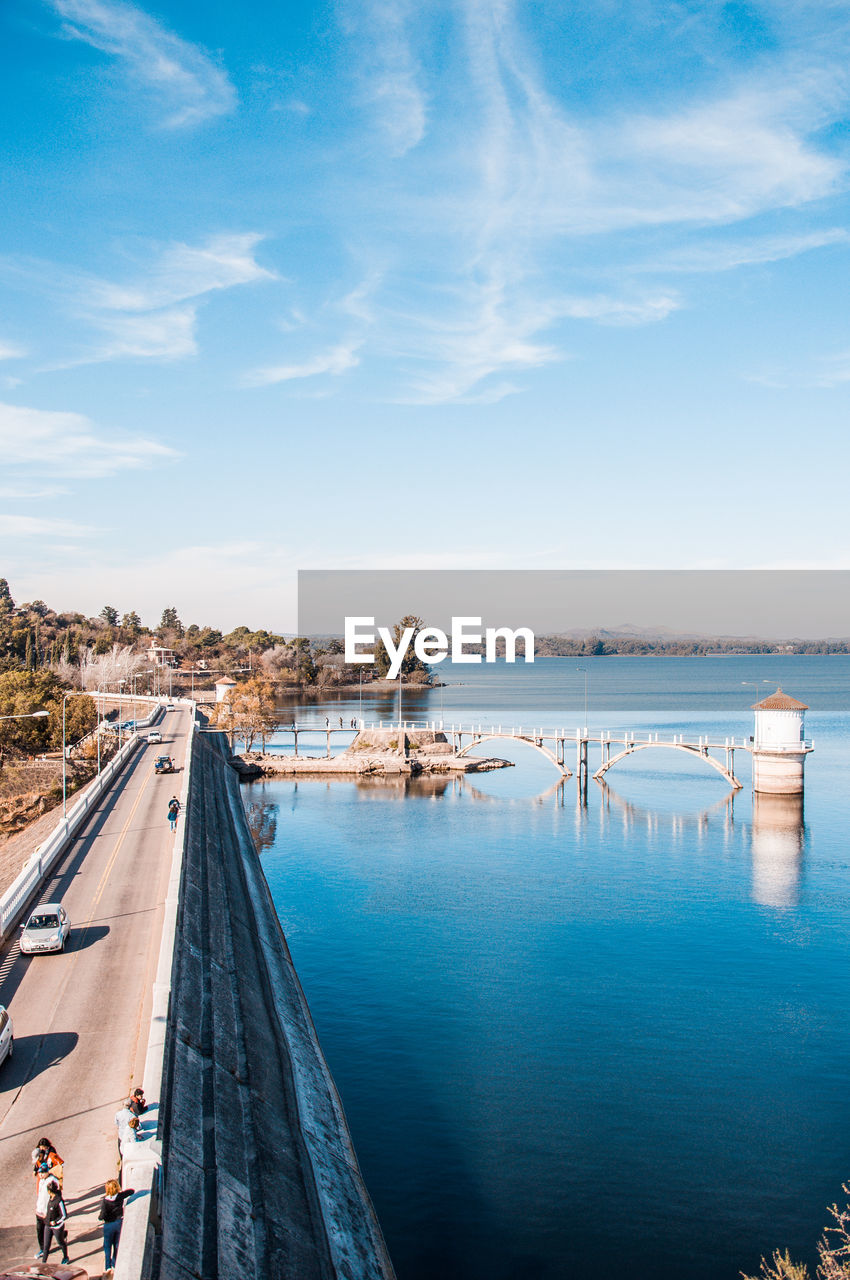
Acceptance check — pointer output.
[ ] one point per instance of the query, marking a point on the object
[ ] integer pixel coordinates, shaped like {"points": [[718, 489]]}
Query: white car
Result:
{"points": [[46, 930], [156, 736], [170, 707], [7, 1039]]}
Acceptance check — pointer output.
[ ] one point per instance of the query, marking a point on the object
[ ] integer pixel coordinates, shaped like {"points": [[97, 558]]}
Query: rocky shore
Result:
{"points": [[373, 752]]}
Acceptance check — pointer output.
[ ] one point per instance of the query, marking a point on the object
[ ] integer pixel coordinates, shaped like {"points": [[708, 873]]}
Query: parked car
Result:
{"points": [[46, 930], [155, 736], [163, 764], [7, 1037]]}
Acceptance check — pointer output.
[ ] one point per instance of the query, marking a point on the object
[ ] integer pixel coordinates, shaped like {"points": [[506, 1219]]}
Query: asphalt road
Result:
{"points": [[81, 1018]]}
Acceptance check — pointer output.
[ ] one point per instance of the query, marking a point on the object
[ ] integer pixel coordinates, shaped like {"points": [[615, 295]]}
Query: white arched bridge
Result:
{"points": [[558, 745]]}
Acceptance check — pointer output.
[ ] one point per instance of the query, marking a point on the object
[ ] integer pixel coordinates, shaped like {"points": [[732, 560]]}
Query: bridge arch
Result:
{"points": [[477, 739], [697, 752]]}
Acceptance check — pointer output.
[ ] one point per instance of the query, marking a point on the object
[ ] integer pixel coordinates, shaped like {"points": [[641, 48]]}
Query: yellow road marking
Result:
{"points": [[111, 863]]}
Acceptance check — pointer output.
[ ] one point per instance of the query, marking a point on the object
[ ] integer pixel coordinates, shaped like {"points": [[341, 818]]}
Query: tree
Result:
{"points": [[249, 712], [411, 668], [109, 615], [170, 621], [833, 1253], [7, 604], [131, 622], [22, 693]]}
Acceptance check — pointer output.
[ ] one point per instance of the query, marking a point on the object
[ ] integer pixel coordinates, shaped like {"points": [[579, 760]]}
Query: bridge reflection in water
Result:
{"points": [[777, 828]]}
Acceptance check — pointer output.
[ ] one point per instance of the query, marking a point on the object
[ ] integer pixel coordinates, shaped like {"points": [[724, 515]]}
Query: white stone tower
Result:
{"points": [[779, 745], [224, 686]]}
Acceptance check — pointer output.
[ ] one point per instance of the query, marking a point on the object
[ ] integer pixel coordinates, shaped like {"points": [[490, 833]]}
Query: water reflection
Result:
{"points": [[262, 820], [778, 839]]}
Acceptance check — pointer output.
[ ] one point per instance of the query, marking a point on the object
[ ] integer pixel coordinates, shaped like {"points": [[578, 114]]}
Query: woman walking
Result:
{"points": [[112, 1216], [42, 1195], [55, 1217], [173, 813]]}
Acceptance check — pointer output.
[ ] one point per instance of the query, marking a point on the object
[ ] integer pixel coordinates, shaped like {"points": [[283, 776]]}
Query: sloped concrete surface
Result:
{"points": [[259, 1174]]}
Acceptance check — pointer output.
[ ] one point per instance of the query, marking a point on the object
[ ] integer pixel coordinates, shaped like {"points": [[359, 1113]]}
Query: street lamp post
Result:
{"points": [[75, 693], [583, 670]]}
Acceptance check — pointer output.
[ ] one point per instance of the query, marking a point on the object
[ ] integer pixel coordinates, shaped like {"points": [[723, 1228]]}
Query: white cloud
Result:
{"points": [[494, 231], [336, 361], [728, 255], [23, 494], [391, 78], [68, 444], [184, 271], [185, 80], [41, 527], [11, 351], [164, 335]]}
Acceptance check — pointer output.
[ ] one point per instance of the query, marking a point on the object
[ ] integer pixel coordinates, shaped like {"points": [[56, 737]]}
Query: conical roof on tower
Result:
{"points": [[779, 701]]}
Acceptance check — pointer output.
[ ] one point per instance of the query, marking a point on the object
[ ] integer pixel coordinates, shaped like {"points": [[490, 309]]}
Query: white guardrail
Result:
{"points": [[142, 1163], [36, 870]]}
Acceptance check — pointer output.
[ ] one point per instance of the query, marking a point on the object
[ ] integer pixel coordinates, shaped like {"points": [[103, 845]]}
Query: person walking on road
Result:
{"points": [[42, 1195], [112, 1216], [122, 1119], [173, 813], [138, 1105], [55, 1217], [46, 1153]]}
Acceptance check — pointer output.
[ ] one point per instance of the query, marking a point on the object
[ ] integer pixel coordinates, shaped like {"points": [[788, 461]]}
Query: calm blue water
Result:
{"points": [[583, 1041]]}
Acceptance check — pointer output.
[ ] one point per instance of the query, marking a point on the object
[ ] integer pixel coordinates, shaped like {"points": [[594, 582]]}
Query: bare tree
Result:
{"points": [[105, 671], [833, 1253]]}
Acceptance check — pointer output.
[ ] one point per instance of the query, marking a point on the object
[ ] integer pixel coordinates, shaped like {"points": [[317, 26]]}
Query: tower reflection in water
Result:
{"points": [[777, 833], [778, 839]]}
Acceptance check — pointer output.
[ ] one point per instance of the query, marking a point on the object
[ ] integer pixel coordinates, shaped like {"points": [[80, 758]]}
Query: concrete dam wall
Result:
{"points": [[259, 1175]]}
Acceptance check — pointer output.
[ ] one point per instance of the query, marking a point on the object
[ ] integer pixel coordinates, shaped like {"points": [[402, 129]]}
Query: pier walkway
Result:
{"points": [[561, 746]]}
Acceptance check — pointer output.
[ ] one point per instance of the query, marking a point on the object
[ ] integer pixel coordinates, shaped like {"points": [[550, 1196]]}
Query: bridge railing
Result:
{"points": [[36, 870]]}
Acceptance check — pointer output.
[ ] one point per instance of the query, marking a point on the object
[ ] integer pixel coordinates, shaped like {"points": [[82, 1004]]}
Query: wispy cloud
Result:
{"points": [[821, 372], [496, 232], [12, 526], [183, 271], [336, 361], [20, 493], [391, 78], [152, 313], [186, 81], [159, 335], [68, 444], [11, 351], [728, 255]]}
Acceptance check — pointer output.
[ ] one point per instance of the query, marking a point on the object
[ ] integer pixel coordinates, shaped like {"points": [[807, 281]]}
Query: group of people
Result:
{"points": [[51, 1214]]}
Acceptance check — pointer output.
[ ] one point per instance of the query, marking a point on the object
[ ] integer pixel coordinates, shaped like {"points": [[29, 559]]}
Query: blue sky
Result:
{"points": [[382, 285]]}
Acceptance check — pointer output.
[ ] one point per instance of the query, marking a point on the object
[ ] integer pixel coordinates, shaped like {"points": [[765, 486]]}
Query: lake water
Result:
{"points": [[583, 1040]]}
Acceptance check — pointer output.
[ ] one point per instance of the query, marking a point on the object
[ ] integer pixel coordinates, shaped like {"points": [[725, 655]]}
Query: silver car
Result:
{"points": [[46, 930], [7, 1039]]}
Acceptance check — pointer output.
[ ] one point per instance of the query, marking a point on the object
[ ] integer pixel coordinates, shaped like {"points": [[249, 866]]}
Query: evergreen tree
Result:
{"points": [[170, 621], [109, 615]]}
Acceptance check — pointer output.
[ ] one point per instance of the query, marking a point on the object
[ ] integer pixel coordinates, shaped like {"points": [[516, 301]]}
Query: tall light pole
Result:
{"points": [[583, 670], [75, 693]]}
